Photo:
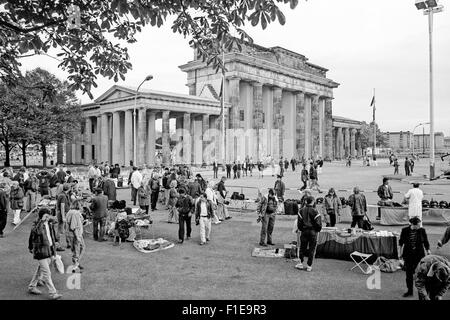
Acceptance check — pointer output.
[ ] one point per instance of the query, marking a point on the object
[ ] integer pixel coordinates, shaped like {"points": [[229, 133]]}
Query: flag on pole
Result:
{"points": [[373, 101]]}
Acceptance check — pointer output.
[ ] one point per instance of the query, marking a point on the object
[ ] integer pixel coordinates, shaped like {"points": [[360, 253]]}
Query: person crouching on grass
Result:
{"points": [[42, 245], [203, 215], [74, 231]]}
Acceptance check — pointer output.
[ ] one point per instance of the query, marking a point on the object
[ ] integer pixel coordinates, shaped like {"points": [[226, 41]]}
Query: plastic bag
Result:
{"points": [[58, 264], [280, 208]]}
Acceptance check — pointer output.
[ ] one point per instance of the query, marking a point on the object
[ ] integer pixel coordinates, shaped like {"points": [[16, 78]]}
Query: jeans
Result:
{"points": [[184, 218], [44, 274], [308, 243], [305, 185], [205, 229], [154, 199], [77, 246], [3, 219], [268, 222], [99, 228], [357, 220], [30, 200], [133, 195]]}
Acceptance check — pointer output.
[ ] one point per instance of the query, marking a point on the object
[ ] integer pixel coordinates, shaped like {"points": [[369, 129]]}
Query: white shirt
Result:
{"points": [[203, 209], [210, 195], [415, 196], [136, 179]]}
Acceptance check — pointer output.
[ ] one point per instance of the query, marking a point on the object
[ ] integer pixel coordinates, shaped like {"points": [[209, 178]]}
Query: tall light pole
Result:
{"points": [[147, 78], [430, 7], [420, 124]]}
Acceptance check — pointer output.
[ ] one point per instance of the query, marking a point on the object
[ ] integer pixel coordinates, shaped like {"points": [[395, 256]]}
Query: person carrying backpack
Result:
{"points": [[266, 214], [309, 223], [185, 206]]}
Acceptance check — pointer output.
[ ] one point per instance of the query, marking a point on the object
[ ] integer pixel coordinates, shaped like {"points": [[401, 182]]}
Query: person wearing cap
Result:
{"points": [[41, 244], [62, 207], [414, 198], [414, 246], [279, 188]]}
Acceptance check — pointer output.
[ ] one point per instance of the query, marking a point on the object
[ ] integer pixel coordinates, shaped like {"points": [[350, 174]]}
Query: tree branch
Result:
{"points": [[19, 29]]}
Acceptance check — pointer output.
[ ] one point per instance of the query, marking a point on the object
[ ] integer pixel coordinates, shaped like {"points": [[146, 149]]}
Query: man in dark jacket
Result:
{"points": [[109, 189], [266, 212], [215, 169], [309, 223], [154, 186], [228, 166], [61, 175], [432, 277], [99, 208], [41, 244], [279, 188], [194, 189], [3, 210], [44, 182], [185, 206], [358, 204], [385, 191], [413, 242], [235, 168]]}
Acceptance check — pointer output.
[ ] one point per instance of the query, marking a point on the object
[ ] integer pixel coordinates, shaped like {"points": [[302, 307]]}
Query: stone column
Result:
{"points": [[88, 141], [328, 129], [315, 141], [187, 144], [128, 138], [141, 133], [68, 151], [151, 138], [104, 138], [300, 124], [98, 145], [234, 94], [165, 138], [257, 116], [205, 139], [353, 142], [347, 141], [277, 121], [340, 143], [117, 149], [358, 143]]}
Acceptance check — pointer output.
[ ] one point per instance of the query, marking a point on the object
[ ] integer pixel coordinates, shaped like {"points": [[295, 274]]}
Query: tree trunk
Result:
{"points": [[7, 152], [24, 153], [44, 155]]}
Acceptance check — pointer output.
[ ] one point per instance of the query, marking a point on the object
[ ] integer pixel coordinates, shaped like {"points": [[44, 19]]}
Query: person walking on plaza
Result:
{"points": [[228, 166], [99, 207], [358, 204], [286, 164], [166, 186], [281, 165], [314, 178], [44, 182], [413, 244], [244, 169], [396, 165], [3, 209], [414, 198], [173, 198], [412, 165], [407, 167], [135, 183], [41, 244], [260, 169], [333, 206], [266, 214], [211, 196], [75, 233], [235, 168], [155, 187], [222, 211], [250, 166], [203, 215], [374, 160], [293, 163], [215, 169], [185, 207], [309, 223], [279, 188], [62, 207], [30, 189], [16, 201], [432, 277], [304, 177]]}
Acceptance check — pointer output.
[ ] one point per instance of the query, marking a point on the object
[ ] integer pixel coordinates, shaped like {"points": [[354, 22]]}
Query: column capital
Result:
{"points": [[256, 84], [233, 78]]}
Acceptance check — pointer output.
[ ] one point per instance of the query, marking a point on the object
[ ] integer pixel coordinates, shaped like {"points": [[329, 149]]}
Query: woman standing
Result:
{"points": [[16, 197], [173, 198], [332, 206], [74, 220], [143, 197]]}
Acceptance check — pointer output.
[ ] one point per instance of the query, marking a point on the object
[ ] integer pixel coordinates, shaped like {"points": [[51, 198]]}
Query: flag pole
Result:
{"points": [[374, 125], [223, 109]]}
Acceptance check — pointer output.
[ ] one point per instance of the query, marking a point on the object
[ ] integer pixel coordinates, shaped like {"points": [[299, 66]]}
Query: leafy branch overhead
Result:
{"points": [[98, 46]]}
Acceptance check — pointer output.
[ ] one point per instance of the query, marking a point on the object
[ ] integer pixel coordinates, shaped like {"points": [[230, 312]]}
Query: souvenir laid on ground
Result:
{"points": [[141, 223], [268, 253], [152, 245]]}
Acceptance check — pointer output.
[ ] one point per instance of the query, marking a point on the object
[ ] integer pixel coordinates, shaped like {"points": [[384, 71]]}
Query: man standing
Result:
{"points": [[313, 177], [332, 206], [235, 168], [281, 165], [62, 207], [266, 214], [215, 169], [30, 188], [414, 197], [279, 188], [293, 164], [413, 243], [358, 204], [396, 165], [407, 167], [99, 211], [222, 211], [155, 186], [185, 206], [92, 176], [433, 277], [309, 223], [203, 215], [109, 189], [228, 170], [136, 180]]}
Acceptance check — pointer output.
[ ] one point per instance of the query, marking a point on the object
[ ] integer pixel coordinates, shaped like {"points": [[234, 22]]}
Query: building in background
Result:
{"points": [[422, 143], [399, 141], [447, 144]]}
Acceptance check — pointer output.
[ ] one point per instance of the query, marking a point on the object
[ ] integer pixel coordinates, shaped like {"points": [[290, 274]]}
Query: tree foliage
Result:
{"points": [[29, 27], [367, 136]]}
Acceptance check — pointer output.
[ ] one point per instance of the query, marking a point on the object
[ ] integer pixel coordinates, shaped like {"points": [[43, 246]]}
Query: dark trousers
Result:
{"points": [[268, 222], [410, 269], [133, 195], [3, 218], [144, 208], [308, 244], [235, 174], [332, 219], [99, 228], [91, 184], [293, 167], [154, 198], [182, 219], [228, 174], [215, 172], [305, 185], [407, 171], [357, 220], [396, 170]]}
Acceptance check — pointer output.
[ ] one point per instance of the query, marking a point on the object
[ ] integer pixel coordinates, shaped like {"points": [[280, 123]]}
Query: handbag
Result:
{"points": [[58, 264], [367, 225]]}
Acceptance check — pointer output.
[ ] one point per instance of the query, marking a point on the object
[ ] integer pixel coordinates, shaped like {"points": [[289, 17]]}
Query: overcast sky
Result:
{"points": [[368, 44]]}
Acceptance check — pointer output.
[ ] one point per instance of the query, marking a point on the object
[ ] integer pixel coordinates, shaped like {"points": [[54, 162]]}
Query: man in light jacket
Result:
{"points": [[414, 197], [136, 180]]}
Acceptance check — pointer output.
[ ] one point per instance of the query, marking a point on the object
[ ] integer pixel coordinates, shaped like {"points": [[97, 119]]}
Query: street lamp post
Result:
{"points": [[147, 78], [430, 7], [420, 124]]}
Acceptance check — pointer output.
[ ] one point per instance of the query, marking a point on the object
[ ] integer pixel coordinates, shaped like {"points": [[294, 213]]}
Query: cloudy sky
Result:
{"points": [[369, 44]]}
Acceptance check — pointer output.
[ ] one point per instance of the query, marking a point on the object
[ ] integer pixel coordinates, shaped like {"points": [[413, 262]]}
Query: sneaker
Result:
{"points": [[55, 296], [218, 222], [407, 294], [34, 291], [299, 266], [308, 268], [227, 218]]}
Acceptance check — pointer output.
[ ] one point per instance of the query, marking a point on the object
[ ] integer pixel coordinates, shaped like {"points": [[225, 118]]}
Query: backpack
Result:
{"points": [[185, 205], [271, 206]]}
